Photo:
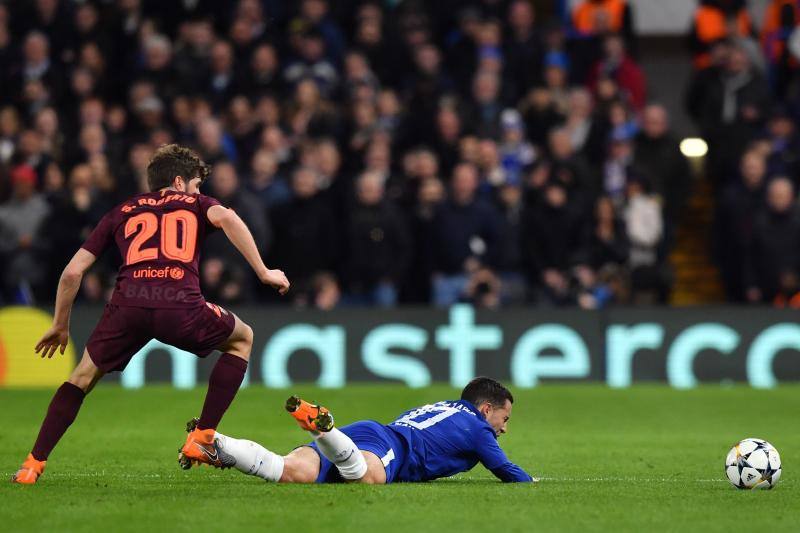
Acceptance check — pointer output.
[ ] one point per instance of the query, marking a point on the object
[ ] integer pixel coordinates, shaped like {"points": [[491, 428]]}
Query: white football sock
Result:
{"points": [[340, 449], [252, 458]]}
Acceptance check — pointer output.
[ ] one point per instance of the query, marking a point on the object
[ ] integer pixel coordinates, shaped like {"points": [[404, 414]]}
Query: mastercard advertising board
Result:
{"points": [[20, 366]]}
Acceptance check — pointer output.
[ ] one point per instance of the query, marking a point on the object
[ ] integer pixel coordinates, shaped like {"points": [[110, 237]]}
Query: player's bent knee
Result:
{"points": [[247, 337], [376, 472], [86, 374], [240, 342], [371, 478], [297, 469], [84, 380]]}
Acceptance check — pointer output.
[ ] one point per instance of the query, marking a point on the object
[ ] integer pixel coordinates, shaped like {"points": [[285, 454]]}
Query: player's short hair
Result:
{"points": [[171, 160], [482, 390]]}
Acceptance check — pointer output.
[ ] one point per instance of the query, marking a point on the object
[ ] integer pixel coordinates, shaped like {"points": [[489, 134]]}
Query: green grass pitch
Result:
{"points": [[647, 458]]}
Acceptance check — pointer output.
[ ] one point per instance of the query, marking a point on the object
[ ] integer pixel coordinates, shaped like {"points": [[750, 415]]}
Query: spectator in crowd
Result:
{"points": [[587, 129], [315, 13], [781, 19], [773, 253], [617, 65], [604, 239], [657, 156], [784, 145], [378, 247], [523, 48], [510, 265], [729, 103], [540, 114], [487, 105], [645, 227], [738, 209], [591, 21], [9, 131], [226, 188], [265, 182], [449, 130], [466, 236], [597, 17], [552, 231], [223, 81], [492, 173], [311, 63], [263, 75], [305, 232], [430, 194], [427, 85], [515, 152], [213, 143], [714, 21], [483, 289], [74, 212], [37, 66], [158, 68], [21, 218], [569, 168], [556, 80]]}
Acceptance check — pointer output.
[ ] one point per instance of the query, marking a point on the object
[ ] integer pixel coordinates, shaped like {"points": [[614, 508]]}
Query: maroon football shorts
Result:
{"points": [[123, 331]]}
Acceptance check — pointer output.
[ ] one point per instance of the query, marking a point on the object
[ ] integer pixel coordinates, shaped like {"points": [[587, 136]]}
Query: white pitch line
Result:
{"points": [[632, 479]]}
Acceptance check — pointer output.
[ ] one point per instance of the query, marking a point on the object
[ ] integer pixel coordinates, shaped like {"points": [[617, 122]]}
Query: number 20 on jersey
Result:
{"points": [[173, 226]]}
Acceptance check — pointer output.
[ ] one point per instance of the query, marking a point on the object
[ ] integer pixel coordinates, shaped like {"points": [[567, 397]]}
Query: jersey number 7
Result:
{"points": [[176, 245]]}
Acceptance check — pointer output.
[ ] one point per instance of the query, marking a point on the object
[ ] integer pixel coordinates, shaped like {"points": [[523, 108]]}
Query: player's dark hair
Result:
{"points": [[172, 160], [482, 389]]}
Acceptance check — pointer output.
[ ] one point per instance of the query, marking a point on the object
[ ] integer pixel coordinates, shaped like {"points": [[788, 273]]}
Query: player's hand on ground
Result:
{"points": [[277, 280], [56, 338]]}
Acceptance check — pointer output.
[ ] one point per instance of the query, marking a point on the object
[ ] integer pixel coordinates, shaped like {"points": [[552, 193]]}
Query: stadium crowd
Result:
{"points": [[486, 151]]}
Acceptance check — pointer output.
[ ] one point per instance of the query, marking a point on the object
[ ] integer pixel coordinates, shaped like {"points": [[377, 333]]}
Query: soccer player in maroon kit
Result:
{"points": [[157, 295]]}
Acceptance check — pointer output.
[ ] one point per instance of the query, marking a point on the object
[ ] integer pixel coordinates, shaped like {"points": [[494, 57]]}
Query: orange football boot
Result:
{"points": [[29, 472], [202, 448], [310, 417]]}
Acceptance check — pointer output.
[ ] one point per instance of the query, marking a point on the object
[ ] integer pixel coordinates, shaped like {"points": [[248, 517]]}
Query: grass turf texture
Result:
{"points": [[647, 457]]}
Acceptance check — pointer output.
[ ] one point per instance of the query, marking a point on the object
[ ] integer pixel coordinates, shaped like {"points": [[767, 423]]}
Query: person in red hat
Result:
{"points": [[20, 219]]}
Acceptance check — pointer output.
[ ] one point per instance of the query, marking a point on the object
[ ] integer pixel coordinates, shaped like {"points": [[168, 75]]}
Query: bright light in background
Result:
{"points": [[694, 147]]}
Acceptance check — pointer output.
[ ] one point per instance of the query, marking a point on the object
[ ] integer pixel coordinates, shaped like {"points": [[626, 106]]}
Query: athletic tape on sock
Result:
{"points": [[340, 449]]}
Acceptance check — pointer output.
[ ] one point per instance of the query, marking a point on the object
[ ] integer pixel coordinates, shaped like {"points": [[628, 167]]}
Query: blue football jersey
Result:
{"points": [[449, 437]]}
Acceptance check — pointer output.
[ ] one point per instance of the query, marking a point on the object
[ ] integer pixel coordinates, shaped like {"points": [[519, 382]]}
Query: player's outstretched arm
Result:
{"points": [[511, 473], [495, 460], [236, 231], [69, 283]]}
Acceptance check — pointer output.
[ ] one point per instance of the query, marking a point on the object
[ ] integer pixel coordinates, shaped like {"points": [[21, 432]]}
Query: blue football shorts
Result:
{"points": [[369, 436]]}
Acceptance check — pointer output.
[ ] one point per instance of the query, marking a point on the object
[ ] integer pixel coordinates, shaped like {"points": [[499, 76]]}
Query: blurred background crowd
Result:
{"points": [[498, 152]]}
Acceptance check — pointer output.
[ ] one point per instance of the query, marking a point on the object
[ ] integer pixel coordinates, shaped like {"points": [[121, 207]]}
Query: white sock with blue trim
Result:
{"points": [[340, 449], [252, 458]]}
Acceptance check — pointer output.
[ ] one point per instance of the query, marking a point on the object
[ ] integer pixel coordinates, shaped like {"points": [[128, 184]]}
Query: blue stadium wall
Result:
{"points": [[416, 347]]}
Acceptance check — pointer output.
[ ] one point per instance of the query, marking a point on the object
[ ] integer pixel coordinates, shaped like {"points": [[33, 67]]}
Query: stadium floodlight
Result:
{"points": [[694, 147]]}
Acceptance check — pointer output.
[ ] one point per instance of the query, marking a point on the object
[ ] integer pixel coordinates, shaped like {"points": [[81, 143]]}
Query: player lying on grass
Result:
{"points": [[157, 296], [433, 441]]}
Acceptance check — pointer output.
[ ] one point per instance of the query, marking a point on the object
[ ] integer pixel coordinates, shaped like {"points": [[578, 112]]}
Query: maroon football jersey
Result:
{"points": [[158, 235]]}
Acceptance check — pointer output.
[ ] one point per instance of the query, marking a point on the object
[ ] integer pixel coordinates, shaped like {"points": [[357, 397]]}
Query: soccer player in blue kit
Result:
{"points": [[430, 442]]}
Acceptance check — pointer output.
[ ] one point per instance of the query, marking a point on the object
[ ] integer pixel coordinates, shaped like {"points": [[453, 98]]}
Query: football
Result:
{"points": [[753, 464]]}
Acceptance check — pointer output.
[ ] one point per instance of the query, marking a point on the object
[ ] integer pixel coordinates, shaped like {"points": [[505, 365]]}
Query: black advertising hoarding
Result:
{"points": [[524, 347]]}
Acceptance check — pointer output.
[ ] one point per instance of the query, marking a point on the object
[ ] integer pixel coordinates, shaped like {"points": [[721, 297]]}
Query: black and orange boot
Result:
{"points": [[310, 417], [202, 448]]}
